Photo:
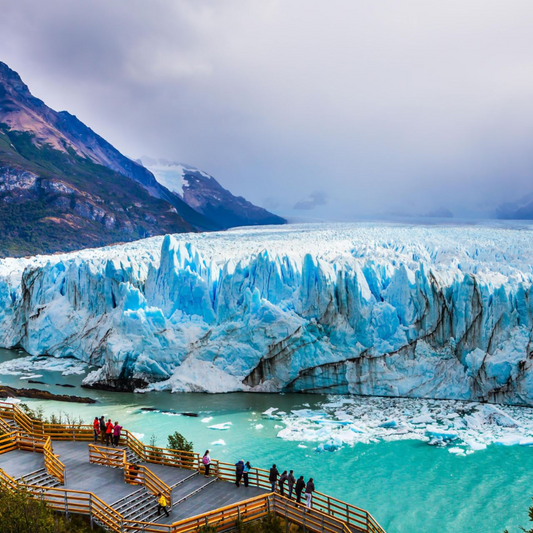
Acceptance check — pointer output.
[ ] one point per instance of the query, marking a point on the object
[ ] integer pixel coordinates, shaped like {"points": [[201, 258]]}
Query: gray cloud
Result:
{"points": [[386, 106], [315, 199]]}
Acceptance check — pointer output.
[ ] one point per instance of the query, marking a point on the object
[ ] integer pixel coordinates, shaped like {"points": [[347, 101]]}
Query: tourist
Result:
{"points": [[134, 473], [109, 433], [247, 468], [161, 504], [291, 480], [96, 429], [300, 485], [273, 477], [116, 434], [282, 480], [207, 462], [309, 489], [102, 428], [239, 470]]}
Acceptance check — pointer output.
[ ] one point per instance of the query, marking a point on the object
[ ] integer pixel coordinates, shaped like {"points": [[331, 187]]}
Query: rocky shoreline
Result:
{"points": [[37, 394]]}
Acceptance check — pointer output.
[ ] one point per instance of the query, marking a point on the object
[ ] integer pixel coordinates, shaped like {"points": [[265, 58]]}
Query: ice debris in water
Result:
{"points": [[223, 426], [28, 365], [219, 442], [464, 426], [207, 419], [259, 426]]}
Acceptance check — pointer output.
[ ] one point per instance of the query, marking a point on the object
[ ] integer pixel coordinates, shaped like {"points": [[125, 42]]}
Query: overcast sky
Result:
{"points": [[342, 108]]}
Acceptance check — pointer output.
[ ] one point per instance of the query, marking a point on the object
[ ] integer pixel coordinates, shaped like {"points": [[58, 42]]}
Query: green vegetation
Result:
{"points": [[44, 220], [269, 524], [20, 513], [177, 441], [60, 417]]}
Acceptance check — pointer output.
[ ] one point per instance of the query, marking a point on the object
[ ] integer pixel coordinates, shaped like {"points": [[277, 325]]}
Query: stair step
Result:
{"points": [[196, 491], [194, 474], [127, 498], [40, 478]]}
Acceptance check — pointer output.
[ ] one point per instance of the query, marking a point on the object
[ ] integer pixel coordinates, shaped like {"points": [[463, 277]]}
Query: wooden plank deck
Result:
{"points": [[215, 496], [108, 483], [17, 463]]}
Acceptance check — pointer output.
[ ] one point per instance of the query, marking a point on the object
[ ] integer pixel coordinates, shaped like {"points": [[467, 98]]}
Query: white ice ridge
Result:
{"points": [[438, 312], [462, 426]]}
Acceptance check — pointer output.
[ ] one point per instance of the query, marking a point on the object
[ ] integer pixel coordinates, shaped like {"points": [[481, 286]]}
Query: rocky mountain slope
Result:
{"points": [[63, 187], [436, 312], [204, 194]]}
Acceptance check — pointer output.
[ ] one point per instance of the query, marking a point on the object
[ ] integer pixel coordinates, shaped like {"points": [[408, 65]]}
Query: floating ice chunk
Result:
{"points": [[31, 376], [223, 426], [207, 419], [440, 434], [269, 413], [389, 424], [219, 442], [259, 426], [425, 418], [302, 446], [509, 440], [278, 427], [139, 436], [457, 451]]}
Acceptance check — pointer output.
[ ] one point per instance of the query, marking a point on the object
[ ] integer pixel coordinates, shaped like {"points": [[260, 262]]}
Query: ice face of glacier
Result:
{"points": [[363, 309]]}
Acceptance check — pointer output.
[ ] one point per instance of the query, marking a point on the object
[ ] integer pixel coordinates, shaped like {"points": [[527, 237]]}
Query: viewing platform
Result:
{"points": [[118, 487]]}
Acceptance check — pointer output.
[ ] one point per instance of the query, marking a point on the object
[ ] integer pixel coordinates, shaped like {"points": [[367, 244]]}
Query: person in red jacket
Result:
{"points": [[109, 433], [96, 429]]}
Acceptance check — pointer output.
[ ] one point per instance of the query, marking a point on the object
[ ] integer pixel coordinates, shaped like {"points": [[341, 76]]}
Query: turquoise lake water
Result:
{"points": [[407, 485]]}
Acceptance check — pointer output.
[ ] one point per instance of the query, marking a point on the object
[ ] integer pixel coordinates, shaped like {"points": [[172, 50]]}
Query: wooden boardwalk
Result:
{"points": [[118, 487]]}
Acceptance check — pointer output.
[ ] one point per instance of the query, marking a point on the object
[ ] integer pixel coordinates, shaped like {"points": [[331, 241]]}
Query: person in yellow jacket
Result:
{"points": [[161, 504]]}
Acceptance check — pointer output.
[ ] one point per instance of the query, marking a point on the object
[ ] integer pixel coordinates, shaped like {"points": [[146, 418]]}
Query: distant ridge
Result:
{"points": [[63, 187]]}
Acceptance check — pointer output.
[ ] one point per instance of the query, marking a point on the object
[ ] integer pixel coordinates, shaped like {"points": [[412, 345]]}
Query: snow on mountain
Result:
{"points": [[204, 194], [436, 312]]}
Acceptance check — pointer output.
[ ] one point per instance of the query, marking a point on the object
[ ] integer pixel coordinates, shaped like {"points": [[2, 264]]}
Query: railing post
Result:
{"points": [[91, 509], [66, 505]]}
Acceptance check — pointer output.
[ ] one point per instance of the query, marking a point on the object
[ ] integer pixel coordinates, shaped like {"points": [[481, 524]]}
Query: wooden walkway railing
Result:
{"points": [[339, 514], [102, 455], [139, 474]]}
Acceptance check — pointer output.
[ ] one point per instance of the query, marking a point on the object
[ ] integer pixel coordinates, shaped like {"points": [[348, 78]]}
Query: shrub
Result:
{"points": [[177, 441], [23, 514]]}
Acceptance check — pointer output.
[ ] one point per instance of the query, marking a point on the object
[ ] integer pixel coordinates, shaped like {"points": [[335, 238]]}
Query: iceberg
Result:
{"points": [[374, 310]]}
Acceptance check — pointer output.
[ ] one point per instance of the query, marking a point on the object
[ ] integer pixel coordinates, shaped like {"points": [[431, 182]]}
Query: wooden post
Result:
{"points": [[66, 505]]}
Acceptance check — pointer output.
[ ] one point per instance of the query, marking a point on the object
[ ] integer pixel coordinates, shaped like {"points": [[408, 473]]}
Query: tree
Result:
{"points": [[177, 441]]}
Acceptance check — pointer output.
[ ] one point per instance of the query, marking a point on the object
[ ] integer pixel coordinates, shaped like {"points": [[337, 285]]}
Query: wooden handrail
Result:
{"points": [[54, 467], [139, 474], [102, 455], [7, 481], [333, 508]]}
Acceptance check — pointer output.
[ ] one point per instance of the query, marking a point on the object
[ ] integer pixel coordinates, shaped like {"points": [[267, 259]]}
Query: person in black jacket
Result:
{"points": [[291, 480], [284, 477], [239, 470], [273, 477], [300, 485], [309, 489]]}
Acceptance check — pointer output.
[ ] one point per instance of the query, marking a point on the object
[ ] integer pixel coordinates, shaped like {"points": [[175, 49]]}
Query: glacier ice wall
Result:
{"points": [[364, 309]]}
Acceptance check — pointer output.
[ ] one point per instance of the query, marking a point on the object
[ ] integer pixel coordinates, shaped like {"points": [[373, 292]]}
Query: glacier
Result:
{"points": [[365, 309]]}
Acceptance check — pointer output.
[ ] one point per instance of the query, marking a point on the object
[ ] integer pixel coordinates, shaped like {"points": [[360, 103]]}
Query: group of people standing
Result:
{"points": [[107, 431], [277, 480], [299, 485]]}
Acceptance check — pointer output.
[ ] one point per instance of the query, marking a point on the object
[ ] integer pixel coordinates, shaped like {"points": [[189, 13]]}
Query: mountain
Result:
{"points": [[387, 310], [63, 187], [204, 194], [520, 210]]}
